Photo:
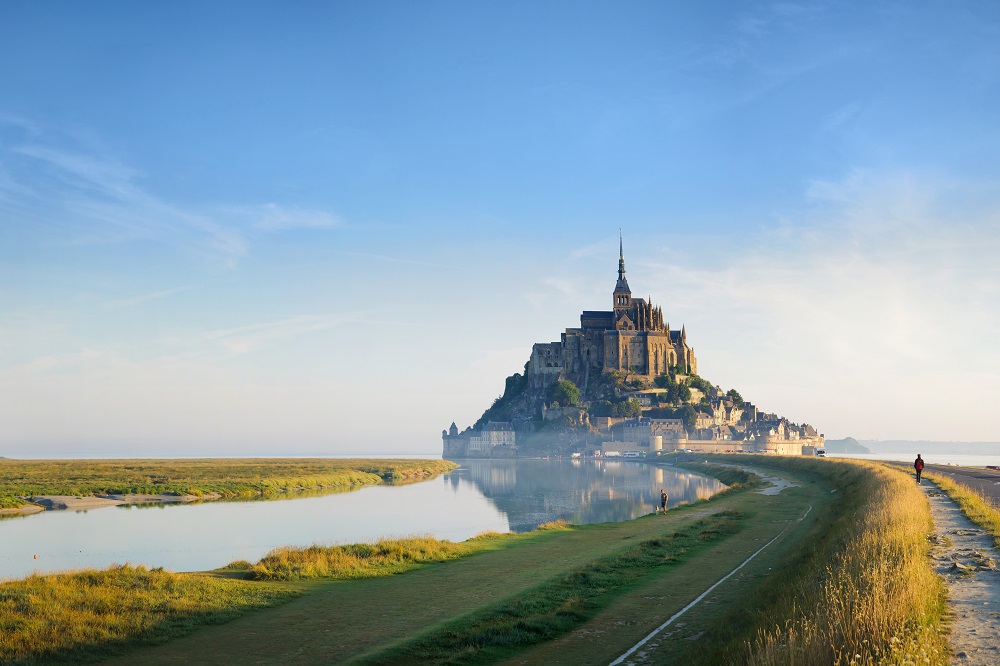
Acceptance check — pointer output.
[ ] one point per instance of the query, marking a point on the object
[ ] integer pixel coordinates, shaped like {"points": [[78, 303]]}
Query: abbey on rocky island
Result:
{"points": [[622, 383], [632, 338]]}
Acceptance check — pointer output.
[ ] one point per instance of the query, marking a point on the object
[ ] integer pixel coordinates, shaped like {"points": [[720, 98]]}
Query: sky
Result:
{"points": [[263, 228]]}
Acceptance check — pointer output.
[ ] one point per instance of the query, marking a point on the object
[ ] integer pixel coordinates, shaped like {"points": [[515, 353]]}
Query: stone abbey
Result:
{"points": [[632, 338], [632, 389]]}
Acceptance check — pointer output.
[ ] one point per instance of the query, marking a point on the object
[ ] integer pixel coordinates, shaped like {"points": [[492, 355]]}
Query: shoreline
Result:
{"points": [[40, 503]]}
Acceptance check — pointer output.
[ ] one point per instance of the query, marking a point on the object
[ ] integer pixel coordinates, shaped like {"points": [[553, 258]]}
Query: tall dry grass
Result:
{"points": [[90, 614], [873, 597]]}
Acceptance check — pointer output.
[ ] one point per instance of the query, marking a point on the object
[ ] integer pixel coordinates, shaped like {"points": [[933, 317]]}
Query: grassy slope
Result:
{"points": [[83, 615], [229, 477], [499, 597], [646, 602], [340, 620]]}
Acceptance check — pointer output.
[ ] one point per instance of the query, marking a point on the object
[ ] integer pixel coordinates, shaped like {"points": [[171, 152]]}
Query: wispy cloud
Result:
{"points": [[396, 260], [99, 200], [275, 217], [145, 298], [244, 339], [876, 290]]}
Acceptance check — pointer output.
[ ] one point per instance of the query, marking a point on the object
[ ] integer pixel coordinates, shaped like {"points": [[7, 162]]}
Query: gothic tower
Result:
{"points": [[622, 294]]}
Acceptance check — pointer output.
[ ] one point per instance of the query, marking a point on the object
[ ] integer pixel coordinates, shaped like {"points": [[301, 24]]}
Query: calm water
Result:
{"points": [[481, 495], [962, 459]]}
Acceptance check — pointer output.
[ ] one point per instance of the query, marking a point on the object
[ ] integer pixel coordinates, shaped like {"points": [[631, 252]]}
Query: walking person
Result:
{"points": [[663, 501], [918, 465]]}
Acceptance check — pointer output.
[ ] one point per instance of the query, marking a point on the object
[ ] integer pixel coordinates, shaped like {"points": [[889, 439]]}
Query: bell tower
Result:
{"points": [[622, 294]]}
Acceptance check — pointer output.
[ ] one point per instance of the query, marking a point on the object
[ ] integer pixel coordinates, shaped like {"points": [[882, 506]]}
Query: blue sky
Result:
{"points": [[246, 228]]}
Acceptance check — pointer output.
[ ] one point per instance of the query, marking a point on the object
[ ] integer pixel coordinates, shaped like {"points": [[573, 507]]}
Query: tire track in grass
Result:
{"points": [[704, 594]]}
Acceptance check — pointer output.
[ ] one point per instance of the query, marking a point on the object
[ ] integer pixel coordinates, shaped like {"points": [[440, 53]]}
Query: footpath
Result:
{"points": [[967, 560]]}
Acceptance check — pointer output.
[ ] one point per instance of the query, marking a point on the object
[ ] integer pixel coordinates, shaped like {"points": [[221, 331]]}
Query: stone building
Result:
{"points": [[495, 440], [632, 338]]}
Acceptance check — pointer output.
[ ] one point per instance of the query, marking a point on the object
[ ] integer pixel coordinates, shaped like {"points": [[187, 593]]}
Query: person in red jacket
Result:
{"points": [[918, 465]]}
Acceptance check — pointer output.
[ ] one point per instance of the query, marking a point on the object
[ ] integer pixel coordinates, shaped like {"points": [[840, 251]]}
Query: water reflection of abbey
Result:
{"points": [[532, 492]]}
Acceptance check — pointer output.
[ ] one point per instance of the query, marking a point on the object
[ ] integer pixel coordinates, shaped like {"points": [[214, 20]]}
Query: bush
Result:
{"points": [[565, 393], [601, 408], [736, 397], [627, 408]]}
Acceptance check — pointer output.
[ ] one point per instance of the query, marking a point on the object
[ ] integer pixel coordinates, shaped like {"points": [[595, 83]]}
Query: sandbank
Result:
{"points": [[87, 502]]}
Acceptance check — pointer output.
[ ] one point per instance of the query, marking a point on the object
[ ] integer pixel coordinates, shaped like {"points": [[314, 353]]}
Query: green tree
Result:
{"points": [[627, 408], [687, 414], [701, 384], [663, 381], [601, 408], [565, 393], [736, 397]]}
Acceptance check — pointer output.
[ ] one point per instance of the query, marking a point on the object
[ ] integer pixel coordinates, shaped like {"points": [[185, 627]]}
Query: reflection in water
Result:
{"points": [[482, 495], [532, 492]]}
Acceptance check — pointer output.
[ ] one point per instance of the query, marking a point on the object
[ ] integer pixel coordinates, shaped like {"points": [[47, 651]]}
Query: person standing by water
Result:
{"points": [[663, 501], [918, 465]]}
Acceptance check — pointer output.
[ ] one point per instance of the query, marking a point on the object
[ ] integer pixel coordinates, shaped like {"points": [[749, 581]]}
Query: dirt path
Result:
{"points": [[964, 556]]}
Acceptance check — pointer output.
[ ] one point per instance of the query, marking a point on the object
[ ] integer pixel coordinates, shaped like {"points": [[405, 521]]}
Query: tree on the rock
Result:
{"points": [[565, 393], [737, 398]]}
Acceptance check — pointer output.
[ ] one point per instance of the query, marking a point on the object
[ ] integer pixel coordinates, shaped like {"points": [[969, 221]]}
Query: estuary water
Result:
{"points": [[509, 495]]}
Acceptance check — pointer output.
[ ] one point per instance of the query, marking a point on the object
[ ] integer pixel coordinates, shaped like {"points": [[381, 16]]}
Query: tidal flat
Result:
{"points": [[26, 485]]}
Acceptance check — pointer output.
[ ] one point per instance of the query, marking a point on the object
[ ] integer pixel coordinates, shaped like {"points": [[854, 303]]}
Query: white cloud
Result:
{"points": [[97, 199], [869, 312], [145, 298], [244, 339], [274, 217]]}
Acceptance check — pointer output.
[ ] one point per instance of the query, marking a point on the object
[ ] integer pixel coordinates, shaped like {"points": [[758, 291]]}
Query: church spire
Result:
{"points": [[622, 294], [621, 257]]}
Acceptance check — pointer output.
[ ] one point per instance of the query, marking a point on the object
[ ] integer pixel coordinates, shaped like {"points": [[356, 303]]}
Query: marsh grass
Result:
{"points": [[868, 595], [976, 506], [384, 557], [559, 605], [92, 614], [228, 478]]}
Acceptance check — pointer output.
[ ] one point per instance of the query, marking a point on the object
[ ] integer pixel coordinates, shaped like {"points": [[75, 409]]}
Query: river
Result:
{"points": [[510, 495]]}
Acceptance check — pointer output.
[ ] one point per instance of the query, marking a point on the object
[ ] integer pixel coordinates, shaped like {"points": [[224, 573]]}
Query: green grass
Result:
{"points": [[849, 584], [385, 557], [91, 614], [559, 605], [229, 478]]}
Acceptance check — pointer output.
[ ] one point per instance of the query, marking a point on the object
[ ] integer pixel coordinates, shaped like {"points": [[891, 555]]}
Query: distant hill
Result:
{"points": [[846, 445]]}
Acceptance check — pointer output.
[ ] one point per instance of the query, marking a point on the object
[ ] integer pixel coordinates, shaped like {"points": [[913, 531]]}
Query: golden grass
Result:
{"points": [[976, 506], [385, 557], [95, 613], [876, 600]]}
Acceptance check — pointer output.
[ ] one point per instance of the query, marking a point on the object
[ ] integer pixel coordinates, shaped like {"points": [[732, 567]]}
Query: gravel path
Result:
{"points": [[965, 557]]}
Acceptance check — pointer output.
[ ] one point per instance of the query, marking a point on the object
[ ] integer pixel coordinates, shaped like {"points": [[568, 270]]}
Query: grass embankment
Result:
{"points": [[864, 592], [976, 506], [850, 584], [559, 605], [91, 614], [385, 557], [229, 478]]}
